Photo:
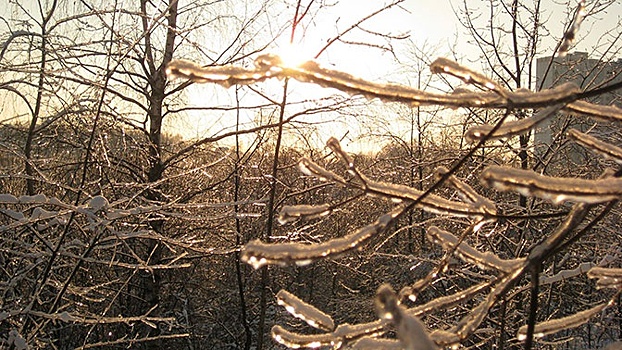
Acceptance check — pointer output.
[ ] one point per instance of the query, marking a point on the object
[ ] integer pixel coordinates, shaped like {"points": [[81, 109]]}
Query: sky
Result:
{"points": [[429, 24]]}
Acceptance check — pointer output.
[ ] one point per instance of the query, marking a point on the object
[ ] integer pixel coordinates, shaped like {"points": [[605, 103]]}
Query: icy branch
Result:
{"points": [[292, 213], [571, 33], [556, 190], [486, 260], [258, 254], [410, 330], [559, 324], [511, 128], [270, 66], [608, 150], [607, 277], [306, 312]]}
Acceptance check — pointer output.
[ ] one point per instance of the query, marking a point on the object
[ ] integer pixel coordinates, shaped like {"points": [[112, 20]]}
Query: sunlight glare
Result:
{"points": [[293, 55]]}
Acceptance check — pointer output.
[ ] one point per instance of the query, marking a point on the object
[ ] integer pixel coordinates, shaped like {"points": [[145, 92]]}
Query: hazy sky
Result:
{"points": [[432, 23]]}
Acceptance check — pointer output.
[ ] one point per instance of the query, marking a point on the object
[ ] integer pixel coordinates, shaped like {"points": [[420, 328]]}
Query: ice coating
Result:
{"points": [[271, 66], [304, 311], [257, 253], [559, 324], [554, 189], [485, 260], [608, 150]]}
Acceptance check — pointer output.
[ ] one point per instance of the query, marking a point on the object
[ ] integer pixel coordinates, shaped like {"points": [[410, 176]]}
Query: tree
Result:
{"points": [[128, 230]]}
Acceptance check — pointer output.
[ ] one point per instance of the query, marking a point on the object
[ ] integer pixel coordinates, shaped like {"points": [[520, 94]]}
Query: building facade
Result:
{"points": [[588, 73]]}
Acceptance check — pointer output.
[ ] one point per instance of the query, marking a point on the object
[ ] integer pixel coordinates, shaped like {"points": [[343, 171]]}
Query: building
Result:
{"points": [[588, 73]]}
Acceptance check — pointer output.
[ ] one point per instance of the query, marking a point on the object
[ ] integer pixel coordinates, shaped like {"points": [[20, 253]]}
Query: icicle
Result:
{"points": [[559, 324], [608, 150], [570, 35], [306, 312], [607, 277], [557, 190], [292, 213], [410, 330], [258, 254], [512, 128]]}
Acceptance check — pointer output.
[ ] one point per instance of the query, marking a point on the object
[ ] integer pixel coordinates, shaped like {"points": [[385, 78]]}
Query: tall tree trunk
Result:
{"points": [[239, 235], [151, 282], [30, 183]]}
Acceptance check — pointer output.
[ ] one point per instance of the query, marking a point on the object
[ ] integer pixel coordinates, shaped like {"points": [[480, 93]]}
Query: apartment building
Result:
{"points": [[588, 73]]}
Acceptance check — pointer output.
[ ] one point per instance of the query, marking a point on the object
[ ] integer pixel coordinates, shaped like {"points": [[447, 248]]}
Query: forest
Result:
{"points": [[169, 178]]}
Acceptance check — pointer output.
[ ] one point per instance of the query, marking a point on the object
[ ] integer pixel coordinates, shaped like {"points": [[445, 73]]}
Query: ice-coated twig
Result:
{"points": [[486, 260], [466, 192], [258, 254], [554, 189], [559, 324], [266, 66], [269, 66], [511, 128], [571, 33], [375, 344], [608, 150], [304, 311], [296, 340], [290, 213], [444, 65], [469, 323], [567, 274], [410, 330], [343, 334], [310, 168], [477, 207], [607, 277], [431, 203], [335, 146], [411, 291], [604, 112], [363, 335], [448, 300]]}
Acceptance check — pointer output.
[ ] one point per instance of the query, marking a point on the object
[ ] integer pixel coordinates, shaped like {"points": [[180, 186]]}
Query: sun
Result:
{"points": [[293, 55]]}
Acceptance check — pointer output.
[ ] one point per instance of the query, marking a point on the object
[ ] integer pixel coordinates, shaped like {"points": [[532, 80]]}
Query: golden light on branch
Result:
{"points": [[473, 206]]}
